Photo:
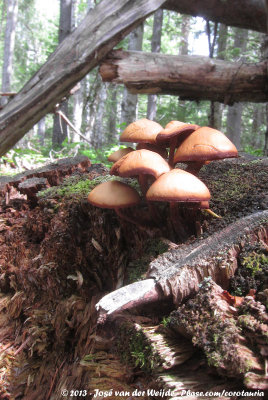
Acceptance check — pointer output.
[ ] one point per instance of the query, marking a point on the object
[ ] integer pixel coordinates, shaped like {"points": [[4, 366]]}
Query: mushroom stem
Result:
{"points": [[209, 211], [143, 181], [176, 221], [173, 145], [194, 167]]}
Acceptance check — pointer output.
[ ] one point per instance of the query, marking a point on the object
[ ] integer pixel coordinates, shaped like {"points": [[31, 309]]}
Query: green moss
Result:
{"points": [[255, 262], [135, 349], [73, 186]]}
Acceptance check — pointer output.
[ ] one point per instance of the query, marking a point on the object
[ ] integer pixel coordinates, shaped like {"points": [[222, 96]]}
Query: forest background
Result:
{"points": [[30, 30]]}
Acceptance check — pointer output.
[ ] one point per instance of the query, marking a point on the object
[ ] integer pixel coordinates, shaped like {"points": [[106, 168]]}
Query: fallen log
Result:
{"points": [[189, 77], [79, 53], [251, 14], [178, 273]]}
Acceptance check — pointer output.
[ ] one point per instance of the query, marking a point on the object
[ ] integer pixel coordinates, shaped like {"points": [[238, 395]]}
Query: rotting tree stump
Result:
{"points": [[59, 257]]}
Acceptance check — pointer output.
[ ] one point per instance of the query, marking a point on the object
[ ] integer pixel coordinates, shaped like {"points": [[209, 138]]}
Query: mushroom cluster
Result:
{"points": [[155, 167]]}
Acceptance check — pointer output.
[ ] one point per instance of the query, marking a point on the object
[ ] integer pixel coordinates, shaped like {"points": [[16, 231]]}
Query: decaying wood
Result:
{"points": [[81, 51], [53, 173], [226, 333], [171, 359], [31, 187], [190, 77], [250, 14], [128, 297], [179, 272]]}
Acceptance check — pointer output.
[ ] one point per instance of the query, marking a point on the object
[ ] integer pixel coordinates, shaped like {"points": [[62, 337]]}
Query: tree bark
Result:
{"points": [[60, 128], [97, 138], [130, 101], [155, 47], [247, 14], [190, 77], [234, 116], [221, 48], [9, 43], [79, 53]]}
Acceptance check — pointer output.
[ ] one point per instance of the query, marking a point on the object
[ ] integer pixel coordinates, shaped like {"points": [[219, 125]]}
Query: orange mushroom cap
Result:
{"points": [[113, 194], [178, 185], [116, 155], [205, 144], [140, 162], [141, 131]]}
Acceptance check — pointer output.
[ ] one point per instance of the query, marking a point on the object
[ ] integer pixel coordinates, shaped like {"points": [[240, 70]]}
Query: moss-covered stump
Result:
{"points": [[59, 256]]}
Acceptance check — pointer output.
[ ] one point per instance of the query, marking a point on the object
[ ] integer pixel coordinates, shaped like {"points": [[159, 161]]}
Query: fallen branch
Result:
{"points": [[63, 116], [178, 273]]}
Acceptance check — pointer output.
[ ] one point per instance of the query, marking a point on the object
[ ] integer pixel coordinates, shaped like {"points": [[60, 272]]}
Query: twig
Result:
{"points": [[63, 116], [8, 93], [53, 380]]}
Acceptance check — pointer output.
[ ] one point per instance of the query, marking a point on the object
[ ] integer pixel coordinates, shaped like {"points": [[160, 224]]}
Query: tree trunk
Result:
{"points": [[248, 14], [77, 113], [9, 43], [130, 101], [234, 117], [190, 77], [155, 47], [60, 129], [41, 131], [221, 48], [266, 134], [97, 138], [113, 113], [183, 51]]}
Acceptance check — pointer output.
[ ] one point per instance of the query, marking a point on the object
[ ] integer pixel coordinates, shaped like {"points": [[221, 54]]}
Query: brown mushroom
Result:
{"points": [[178, 186], [115, 195], [116, 155], [140, 163], [141, 131], [174, 134], [203, 145]]}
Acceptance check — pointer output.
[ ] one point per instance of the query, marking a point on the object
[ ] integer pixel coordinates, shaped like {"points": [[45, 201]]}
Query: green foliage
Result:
{"points": [[36, 38]]}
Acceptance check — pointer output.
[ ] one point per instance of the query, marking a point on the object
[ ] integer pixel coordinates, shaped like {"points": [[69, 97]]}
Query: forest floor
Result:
{"points": [[59, 256]]}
